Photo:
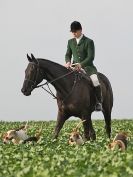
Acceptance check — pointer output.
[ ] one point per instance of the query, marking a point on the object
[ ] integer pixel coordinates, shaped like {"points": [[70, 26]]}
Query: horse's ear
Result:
{"points": [[34, 59], [32, 56], [29, 58]]}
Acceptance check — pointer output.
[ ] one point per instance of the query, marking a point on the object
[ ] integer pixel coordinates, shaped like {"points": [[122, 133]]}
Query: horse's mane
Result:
{"points": [[59, 67]]}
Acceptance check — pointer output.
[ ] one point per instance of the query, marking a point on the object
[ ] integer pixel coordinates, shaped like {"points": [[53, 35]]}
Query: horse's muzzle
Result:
{"points": [[26, 92]]}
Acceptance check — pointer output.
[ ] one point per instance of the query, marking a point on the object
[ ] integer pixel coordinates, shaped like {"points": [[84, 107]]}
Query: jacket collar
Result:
{"points": [[80, 42], [82, 39]]}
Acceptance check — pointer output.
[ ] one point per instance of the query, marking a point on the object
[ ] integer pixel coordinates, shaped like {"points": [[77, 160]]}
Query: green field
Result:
{"points": [[55, 158]]}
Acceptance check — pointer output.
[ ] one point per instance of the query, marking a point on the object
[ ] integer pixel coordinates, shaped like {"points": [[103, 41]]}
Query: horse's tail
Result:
{"points": [[107, 83]]}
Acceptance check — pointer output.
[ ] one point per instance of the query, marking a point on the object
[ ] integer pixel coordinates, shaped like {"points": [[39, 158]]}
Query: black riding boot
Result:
{"points": [[98, 94]]}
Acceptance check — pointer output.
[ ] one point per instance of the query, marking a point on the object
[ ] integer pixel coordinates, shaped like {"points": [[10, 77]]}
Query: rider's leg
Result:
{"points": [[98, 92]]}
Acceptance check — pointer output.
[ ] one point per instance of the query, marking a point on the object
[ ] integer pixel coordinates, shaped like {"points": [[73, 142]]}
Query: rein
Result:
{"points": [[54, 80]]}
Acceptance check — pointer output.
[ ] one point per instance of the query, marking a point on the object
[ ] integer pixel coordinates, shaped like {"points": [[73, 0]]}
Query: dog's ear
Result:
{"points": [[14, 132], [109, 145], [77, 136], [77, 130]]}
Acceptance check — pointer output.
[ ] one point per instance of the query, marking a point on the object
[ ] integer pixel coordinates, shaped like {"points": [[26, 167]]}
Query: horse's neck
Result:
{"points": [[54, 74]]}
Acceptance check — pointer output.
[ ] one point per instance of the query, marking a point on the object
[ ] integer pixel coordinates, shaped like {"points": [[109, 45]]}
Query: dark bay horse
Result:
{"points": [[75, 94]]}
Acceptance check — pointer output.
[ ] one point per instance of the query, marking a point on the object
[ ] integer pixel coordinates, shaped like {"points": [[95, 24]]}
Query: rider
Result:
{"points": [[83, 51]]}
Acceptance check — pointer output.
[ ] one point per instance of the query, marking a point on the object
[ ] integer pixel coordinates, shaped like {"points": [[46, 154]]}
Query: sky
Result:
{"points": [[42, 27]]}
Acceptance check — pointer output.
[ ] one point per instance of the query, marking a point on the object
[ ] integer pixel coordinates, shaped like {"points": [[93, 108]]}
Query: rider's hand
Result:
{"points": [[68, 65], [78, 67]]}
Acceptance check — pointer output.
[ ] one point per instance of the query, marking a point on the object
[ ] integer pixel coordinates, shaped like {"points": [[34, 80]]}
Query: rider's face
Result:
{"points": [[77, 33]]}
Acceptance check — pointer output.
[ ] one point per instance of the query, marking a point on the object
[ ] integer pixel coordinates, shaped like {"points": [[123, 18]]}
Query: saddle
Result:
{"points": [[81, 74]]}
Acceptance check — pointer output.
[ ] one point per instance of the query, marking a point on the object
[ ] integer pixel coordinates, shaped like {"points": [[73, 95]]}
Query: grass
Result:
{"points": [[55, 158]]}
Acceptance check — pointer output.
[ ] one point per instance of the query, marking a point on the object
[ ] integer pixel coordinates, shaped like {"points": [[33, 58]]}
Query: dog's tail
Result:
{"points": [[78, 125], [23, 127], [39, 132], [26, 125]]}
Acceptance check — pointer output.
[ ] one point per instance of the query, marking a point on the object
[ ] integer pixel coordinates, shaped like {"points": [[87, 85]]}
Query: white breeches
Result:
{"points": [[95, 80]]}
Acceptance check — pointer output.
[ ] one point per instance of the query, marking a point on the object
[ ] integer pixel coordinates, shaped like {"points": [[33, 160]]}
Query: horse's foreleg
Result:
{"points": [[86, 129], [89, 132], [92, 131], [61, 118]]}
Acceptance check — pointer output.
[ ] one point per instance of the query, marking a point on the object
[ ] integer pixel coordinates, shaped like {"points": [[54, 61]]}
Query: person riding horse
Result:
{"points": [[74, 94], [82, 49]]}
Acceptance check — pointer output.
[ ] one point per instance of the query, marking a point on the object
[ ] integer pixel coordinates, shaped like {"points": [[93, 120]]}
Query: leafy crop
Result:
{"points": [[55, 158]]}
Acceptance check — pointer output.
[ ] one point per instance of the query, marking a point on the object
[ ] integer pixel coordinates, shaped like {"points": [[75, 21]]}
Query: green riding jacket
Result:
{"points": [[82, 53]]}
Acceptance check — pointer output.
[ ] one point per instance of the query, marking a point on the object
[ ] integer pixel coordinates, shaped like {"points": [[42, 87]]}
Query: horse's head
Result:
{"points": [[33, 75]]}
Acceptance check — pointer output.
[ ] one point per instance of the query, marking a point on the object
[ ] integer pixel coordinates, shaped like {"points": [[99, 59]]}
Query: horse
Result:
{"points": [[74, 93]]}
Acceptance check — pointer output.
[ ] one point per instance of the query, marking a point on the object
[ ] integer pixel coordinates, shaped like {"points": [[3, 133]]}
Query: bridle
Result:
{"points": [[52, 81], [33, 85]]}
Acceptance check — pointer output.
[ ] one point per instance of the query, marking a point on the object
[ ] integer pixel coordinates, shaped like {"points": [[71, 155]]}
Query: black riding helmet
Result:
{"points": [[75, 26]]}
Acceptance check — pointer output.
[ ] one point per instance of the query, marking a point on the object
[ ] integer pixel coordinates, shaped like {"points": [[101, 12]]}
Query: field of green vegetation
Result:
{"points": [[55, 158]]}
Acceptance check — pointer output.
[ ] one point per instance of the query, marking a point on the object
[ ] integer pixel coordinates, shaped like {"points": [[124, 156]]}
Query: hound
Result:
{"points": [[75, 137], [120, 142], [19, 135]]}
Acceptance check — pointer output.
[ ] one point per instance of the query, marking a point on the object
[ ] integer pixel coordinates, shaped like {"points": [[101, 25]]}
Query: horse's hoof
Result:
{"points": [[93, 136], [54, 140], [55, 137]]}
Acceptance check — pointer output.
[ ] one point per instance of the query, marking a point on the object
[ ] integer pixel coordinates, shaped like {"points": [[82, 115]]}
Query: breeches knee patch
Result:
{"points": [[95, 80]]}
